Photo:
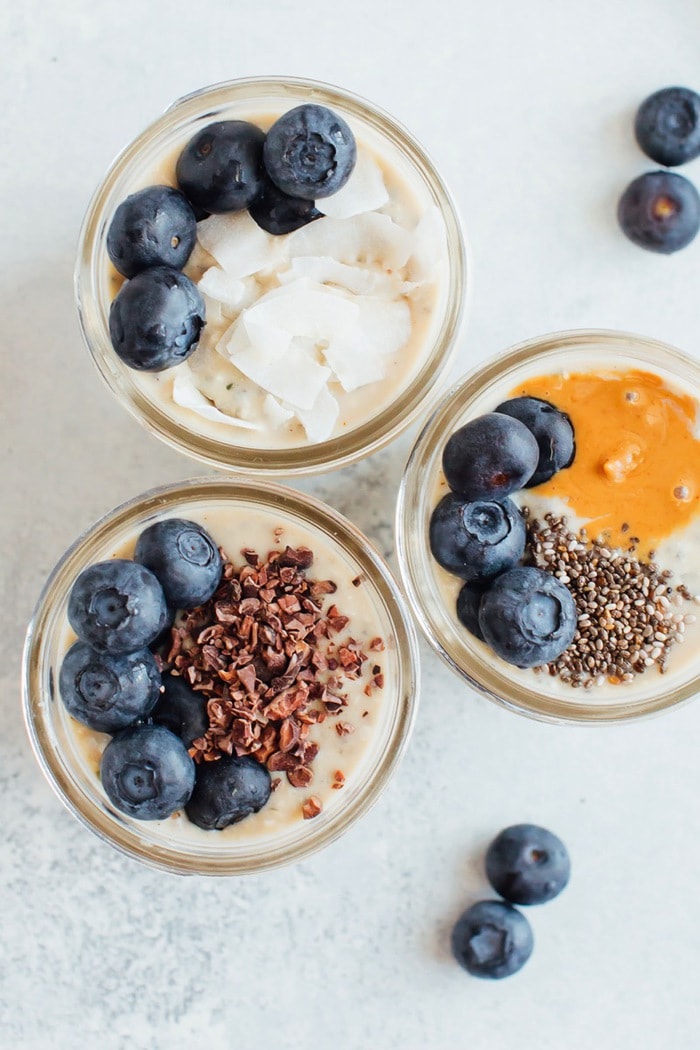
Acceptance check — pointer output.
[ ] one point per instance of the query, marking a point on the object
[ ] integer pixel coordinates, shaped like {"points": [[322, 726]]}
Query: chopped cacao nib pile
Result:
{"points": [[271, 661]]}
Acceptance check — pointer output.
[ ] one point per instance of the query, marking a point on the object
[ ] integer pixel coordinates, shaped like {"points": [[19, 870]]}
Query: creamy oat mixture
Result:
{"points": [[347, 752], [312, 333]]}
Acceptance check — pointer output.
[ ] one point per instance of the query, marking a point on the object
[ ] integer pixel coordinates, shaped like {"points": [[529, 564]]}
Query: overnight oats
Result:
{"points": [[549, 527], [220, 677], [272, 277]]}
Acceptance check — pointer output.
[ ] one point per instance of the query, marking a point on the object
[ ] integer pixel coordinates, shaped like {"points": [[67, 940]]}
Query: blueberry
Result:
{"points": [[153, 227], [310, 152], [552, 430], [469, 603], [156, 319], [181, 710], [108, 691], [490, 457], [147, 772], [492, 939], [660, 211], [476, 540], [219, 170], [528, 617], [277, 212], [164, 637], [527, 864], [117, 606], [227, 791], [667, 126], [184, 558]]}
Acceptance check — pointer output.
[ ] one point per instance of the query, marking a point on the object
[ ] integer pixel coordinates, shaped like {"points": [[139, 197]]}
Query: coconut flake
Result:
{"points": [[364, 191], [276, 413], [295, 376], [429, 245], [385, 325], [319, 421], [186, 394], [212, 312], [354, 363], [367, 238], [304, 308], [359, 357], [238, 244], [322, 269], [232, 292]]}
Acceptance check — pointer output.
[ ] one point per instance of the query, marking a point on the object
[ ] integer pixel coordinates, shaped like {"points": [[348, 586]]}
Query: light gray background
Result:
{"points": [[527, 110]]}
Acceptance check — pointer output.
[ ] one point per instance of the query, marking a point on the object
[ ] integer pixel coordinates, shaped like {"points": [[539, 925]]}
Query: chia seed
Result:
{"points": [[629, 615]]}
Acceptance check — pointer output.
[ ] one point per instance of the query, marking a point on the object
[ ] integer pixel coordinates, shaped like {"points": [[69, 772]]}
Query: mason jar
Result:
{"points": [[241, 515], [372, 415], [432, 591]]}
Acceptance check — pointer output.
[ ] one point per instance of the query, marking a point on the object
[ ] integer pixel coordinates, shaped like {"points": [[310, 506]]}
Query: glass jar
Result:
{"points": [[60, 743], [215, 444], [539, 696]]}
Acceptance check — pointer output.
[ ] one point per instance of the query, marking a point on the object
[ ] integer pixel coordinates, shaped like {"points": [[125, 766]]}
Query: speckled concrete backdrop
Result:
{"points": [[527, 109]]}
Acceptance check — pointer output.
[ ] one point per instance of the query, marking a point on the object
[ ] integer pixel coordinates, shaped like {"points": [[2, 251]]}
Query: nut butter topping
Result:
{"points": [[637, 453]]}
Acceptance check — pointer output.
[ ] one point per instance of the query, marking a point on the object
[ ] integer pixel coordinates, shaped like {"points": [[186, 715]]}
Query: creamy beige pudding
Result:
{"points": [[634, 487], [347, 737]]}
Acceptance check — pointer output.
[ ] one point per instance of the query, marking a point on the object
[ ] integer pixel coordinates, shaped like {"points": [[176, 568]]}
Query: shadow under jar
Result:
{"points": [[431, 288], [622, 360]]}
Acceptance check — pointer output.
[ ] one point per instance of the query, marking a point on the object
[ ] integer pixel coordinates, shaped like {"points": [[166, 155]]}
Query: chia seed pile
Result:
{"points": [[630, 616]]}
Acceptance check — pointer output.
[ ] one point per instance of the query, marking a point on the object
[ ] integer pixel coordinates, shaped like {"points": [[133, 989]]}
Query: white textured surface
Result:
{"points": [[527, 109]]}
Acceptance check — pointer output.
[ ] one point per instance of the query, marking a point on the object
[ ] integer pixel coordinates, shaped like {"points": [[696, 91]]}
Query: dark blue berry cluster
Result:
{"points": [[660, 210], [158, 314], [110, 681], [477, 533], [525, 864]]}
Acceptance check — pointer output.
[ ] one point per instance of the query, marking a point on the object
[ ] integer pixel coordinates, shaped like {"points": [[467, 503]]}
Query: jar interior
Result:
{"points": [[72, 769], [213, 443], [433, 592]]}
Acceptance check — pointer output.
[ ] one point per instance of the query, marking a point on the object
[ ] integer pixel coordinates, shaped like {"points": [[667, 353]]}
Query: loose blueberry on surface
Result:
{"points": [[147, 772], [492, 939], [552, 430], [227, 791], [490, 457], [310, 152], [117, 606], [528, 617], [108, 691], [153, 227], [181, 710], [219, 170], [276, 212], [469, 603], [667, 126], [660, 211], [476, 540], [156, 319], [183, 557], [527, 864]]}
